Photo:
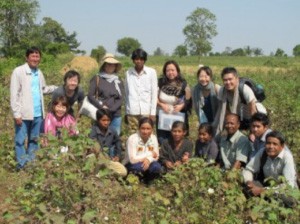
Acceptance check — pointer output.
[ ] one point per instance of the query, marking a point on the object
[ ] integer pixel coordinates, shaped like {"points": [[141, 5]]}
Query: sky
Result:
{"points": [[265, 24]]}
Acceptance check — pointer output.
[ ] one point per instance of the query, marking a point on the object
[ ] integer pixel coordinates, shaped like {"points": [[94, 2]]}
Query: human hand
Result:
{"points": [[251, 137], [178, 107], [154, 154], [169, 164], [18, 121], [185, 157], [165, 107], [115, 159], [177, 163], [146, 164]]}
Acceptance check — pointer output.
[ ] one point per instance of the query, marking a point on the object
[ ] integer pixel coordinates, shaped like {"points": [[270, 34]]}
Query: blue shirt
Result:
{"points": [[35, 90]]}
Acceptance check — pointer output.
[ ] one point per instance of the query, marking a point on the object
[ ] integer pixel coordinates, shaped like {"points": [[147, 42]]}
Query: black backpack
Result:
{"points": [[257, 89]]}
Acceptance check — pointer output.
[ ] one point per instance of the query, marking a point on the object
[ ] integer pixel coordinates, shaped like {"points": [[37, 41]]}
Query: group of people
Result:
{"points": [[233, 133]]}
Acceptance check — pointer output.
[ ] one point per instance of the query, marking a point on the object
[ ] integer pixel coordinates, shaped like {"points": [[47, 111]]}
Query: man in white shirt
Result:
{"points": [[141, 91]]}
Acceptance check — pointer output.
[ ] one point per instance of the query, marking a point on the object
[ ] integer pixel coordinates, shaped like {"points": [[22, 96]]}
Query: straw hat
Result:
{"points": [[110, 58]]}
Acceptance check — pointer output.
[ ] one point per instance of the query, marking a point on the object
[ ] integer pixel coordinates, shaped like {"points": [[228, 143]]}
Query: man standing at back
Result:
{"points": [[26, 98], [231, 102], [141, 90]]}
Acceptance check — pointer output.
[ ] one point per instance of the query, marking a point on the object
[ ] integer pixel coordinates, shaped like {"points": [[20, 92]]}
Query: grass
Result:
{"points": [[281, 80]]}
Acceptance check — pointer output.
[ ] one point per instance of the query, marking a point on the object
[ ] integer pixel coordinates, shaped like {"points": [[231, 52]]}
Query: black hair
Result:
{"points": [[179, 124], [260, 117], [276, 134], [139, 53], [234, 115], [32, 50], [228, 70], [207, 127], [70, 74], [102, 112], [180, 81], [144, 120], [60, 99], [207, 70]]}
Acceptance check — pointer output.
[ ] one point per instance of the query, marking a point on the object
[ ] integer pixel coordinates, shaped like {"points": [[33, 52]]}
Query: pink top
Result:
{"points": [[52, 123]]}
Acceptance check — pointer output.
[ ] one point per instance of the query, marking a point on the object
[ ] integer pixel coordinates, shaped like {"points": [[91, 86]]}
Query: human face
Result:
{"points": [[145, 131], [171, 72], [204, 78], [72, 83], [110, 68], [178, 134], [232, 124], [139, 63], [33, 60], [273, 147], [60, 110], [258, 129], [230, 81], [104, 122], [203, 136]]}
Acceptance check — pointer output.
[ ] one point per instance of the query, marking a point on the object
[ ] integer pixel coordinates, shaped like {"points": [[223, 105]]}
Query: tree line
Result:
{"points": [[18, 31]]}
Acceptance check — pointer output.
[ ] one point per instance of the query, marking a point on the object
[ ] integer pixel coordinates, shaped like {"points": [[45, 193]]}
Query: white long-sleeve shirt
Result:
{"points": [[141, 92], [137, 150]]}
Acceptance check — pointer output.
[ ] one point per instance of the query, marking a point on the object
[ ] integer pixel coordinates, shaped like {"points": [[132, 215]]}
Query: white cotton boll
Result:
{"points": [[210, 191]]}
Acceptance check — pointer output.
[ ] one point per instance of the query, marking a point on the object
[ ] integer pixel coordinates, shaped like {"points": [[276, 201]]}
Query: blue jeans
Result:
{"points": [[116, 124], [154, 167], [29, 129]]}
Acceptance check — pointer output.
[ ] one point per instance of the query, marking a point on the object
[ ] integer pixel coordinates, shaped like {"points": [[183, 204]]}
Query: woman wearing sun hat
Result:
{"points": [[106, 89]]}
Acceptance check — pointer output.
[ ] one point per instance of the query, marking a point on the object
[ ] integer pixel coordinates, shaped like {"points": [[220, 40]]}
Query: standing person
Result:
{"points": [[110, 90], [27, 103], [174, 95], [231, 101], [259, 129], [234, 146], [142, 152], [141, 90], [177, 149], [109, 140], [71, 90], [205, 95], [206, 147]]}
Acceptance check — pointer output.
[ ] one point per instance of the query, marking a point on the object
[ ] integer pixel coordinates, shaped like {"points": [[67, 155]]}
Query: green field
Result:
{"points": [[65, 189]]}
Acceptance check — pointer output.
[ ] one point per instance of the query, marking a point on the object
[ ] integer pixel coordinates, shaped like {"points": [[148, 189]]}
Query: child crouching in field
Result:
{"points": [[206, 147], [58, 119], [177, 149], [109, 141]]}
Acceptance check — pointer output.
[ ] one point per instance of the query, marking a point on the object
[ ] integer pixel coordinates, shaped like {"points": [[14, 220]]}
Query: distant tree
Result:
{"points": [[180, 50], [227, 51], [248, 51], [127, 45], [53, 32], [279, 53], [257, 51], [98, 53], [16, 19], [296, 50], [158, 52], [200, 30], [238, 52]]}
